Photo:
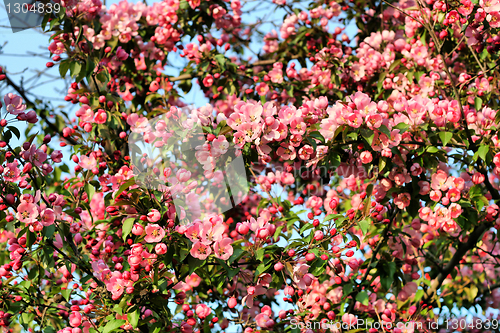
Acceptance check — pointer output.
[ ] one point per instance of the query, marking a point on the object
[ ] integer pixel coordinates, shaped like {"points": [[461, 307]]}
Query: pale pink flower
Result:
{"points": [[27, 212], [223, 249], [301, 277], [263, 320], [252, 293], [14, 104], [87, 163], [138, 124]]}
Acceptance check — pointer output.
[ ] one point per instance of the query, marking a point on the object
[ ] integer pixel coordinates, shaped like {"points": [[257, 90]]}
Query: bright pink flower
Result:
{"points": [[85, 113], [121, 54], [75, 319], [208, 81], [138, 124], [200, 251], [154, 233], [455, 210], [439, 181], [48, 217], [402, 200], [11, 172], [154, 216], [349, 319], [160, 248], [286, 151], [100, 117], [478, 178], [56, 156], [202, 311], [366, 157]]}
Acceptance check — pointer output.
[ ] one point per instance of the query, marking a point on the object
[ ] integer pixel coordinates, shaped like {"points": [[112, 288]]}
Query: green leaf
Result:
{"points": [[15, 131], [66, 293], [380, 82], [151, 96], [49, 231], [482, 151], [381, 164], [385, 130], [364, 225], [432, 149], [317, 135], [445, 137], [478, 103], [75, 68], [401, 126], [90, 190], [368, 135], [305, 227], [221, 60], [113, 325], [124, 186], [194, 264], [236, 255], [331, 217], [127, 227], [63, 68], [30, 238], [362, 297], [133, 317], [347, 288]]}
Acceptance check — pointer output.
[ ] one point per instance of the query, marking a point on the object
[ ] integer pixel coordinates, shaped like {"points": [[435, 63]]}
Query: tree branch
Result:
{"points": [[455, 260], [43, 113]]}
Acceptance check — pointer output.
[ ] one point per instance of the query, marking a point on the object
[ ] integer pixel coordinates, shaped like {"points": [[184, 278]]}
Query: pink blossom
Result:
{"points": [[200, 251], [223, 249], [27, 212], [48, 217], [154, 233], [160, 248], [301, 277], [202, 311], [183, 175], [87, 163], [14, 104], [263, 320], [11, 172], [253, 291], [154, 216], [366, 157], [349, 319], [75, 319], [100, 117]]}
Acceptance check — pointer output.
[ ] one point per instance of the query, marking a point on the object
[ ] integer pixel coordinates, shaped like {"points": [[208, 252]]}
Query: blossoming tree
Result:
{"points": [[373, 169]]}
